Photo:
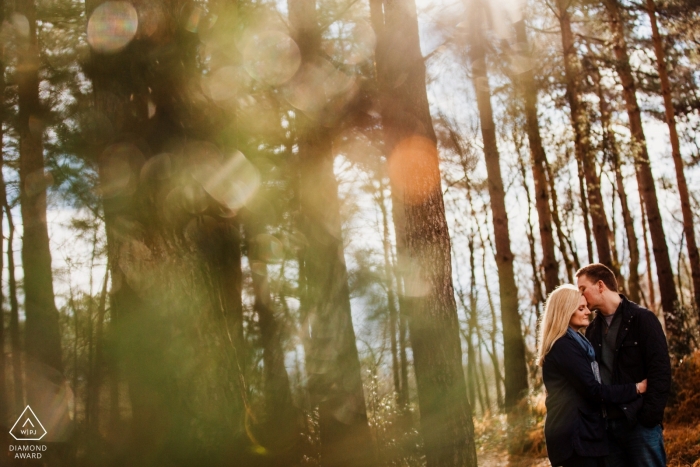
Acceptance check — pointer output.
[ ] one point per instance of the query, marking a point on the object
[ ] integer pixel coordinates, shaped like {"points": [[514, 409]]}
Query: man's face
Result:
{"points": [[591, 291]]}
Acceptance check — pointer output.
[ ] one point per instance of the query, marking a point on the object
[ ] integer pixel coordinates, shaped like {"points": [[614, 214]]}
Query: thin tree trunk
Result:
{"points": [[584, 152], [446, 423], [92, 409], [537, 296], [484, 380], [15, 338], [4, 402], [610, 145], [391, 295], [513, 343], [571, 266], [281, 427], [42, 336], [584, 210], [645, 179], [647, 255], [494, 326], [539, 161], [333, 366], [691, 242]]}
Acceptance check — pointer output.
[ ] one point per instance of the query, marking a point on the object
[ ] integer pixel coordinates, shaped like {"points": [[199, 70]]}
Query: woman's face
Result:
{"points": [[580, 317]]}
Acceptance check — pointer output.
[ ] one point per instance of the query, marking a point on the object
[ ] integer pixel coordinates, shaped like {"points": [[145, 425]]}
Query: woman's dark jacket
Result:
{"points": [[575, 420], [641, 353]]}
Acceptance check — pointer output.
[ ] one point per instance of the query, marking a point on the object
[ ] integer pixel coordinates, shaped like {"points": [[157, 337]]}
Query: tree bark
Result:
{"points": [[610, 146], [561, 236], [4, 402], [584, 152], [645, 179], [281, 425], [539, 161], [688, 229], [15, 338], [391, 291], [650, 281], [493, 354], [42, 336], [513, 344], [446, 424], [333, 366]]}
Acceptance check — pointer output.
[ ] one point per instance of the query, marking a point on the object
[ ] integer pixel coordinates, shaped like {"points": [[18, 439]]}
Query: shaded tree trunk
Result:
{"points": [[281, 432], [650, 281], [446, 424], [391, 292], [4, 402], [493, 353], [561, 236], [585, 212], [15, 338], [539, 161], [42, 336], [513, 344], [688, 229], [584, 152], [645, 179], [610, 146], [333, 366]]}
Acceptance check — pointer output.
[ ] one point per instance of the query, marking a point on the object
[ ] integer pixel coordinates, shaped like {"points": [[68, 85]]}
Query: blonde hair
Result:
{"points": [[561, 304]]}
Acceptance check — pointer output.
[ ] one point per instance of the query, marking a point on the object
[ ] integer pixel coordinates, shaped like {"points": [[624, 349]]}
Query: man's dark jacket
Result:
{"points": [[574, 420], [640, 353]]}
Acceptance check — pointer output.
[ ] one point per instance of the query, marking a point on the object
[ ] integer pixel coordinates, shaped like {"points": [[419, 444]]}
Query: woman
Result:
{"points": [[575, 428]]}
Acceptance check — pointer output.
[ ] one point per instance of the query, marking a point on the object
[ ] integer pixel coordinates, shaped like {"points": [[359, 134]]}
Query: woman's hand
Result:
{"points": [[642, 387]]}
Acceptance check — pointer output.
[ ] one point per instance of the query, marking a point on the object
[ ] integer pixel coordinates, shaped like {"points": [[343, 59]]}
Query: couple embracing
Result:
{"points": [[607, 388]]}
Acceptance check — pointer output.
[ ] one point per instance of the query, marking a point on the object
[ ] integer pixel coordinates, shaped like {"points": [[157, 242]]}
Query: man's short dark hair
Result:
{"points": [[599, 272]]}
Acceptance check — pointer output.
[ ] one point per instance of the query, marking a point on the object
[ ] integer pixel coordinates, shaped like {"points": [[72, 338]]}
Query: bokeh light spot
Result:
{"points": [[116, 175], [232, 183], [222, 85], [413, 169], [112, 26], [315, 85], [271, 57], [270, 248], [361, 44], [20, 24]]}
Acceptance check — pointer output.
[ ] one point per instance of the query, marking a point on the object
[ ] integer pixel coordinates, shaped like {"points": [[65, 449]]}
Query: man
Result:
{"points": [[630, 346]]}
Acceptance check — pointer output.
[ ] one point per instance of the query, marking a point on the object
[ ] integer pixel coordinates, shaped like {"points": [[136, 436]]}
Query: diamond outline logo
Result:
{"points": [[28, 420]]}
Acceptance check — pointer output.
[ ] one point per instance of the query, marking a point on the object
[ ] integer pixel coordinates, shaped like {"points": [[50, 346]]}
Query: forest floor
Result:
{"points": [[682, 443], [502, 459]]}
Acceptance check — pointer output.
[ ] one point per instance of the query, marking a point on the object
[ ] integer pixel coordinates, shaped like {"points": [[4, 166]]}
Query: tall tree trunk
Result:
{"points": [[493, 353], [42, 335], [645, 179], [334, 370], [561, 236], [446, 423], [15, 338], [585, 212], [513, 343], [484, 380], [537, 297], [539, 161], [584, 152], [173, 306], [610, 146], [688, 229], [95, 376], [650, 281], [4, 403], [281, 425], [391, 291]]}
